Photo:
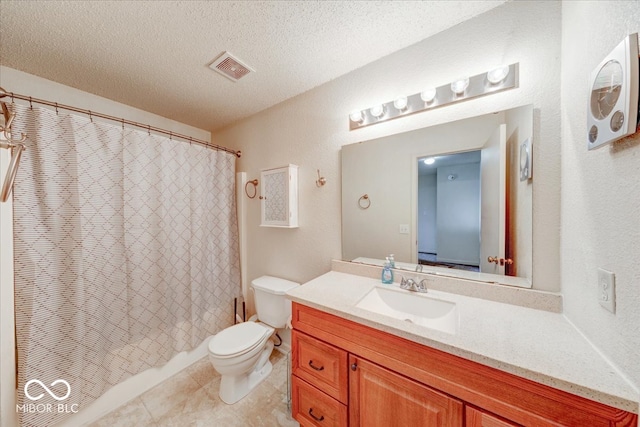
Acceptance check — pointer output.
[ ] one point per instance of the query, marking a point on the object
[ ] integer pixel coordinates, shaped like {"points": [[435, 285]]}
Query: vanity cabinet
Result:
{"points": [[323, 389], [279, 197], [348, 374]]}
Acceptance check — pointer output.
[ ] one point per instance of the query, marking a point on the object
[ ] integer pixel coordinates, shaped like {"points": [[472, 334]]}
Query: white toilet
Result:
{"points": [[240, 353]]}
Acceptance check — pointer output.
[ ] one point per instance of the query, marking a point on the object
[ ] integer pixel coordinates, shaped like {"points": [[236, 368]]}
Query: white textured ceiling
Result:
{"points": [[153, 55]]}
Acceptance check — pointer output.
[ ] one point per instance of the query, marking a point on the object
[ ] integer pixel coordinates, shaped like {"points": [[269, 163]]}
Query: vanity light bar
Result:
{"points": [[496, 80]]}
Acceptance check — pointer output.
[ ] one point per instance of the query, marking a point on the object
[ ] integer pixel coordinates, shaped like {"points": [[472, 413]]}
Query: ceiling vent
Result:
{"points": [[230, 67]]}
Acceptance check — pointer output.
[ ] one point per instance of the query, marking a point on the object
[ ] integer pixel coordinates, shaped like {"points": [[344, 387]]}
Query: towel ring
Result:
{"points": [[364, 201], [253, 182]]}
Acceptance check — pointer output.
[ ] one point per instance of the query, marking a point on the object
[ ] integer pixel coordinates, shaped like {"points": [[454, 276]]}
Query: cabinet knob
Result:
{"points": [[354, 367]]}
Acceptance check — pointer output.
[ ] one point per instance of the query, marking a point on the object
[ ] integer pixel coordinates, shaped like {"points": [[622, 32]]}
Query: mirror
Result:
{"points": [[468, 214]]}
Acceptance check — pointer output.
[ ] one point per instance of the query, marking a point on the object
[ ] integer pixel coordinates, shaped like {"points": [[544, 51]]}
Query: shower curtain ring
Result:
{"points": [[56, 108], [149, 129], [30, 104], [90, 116]]}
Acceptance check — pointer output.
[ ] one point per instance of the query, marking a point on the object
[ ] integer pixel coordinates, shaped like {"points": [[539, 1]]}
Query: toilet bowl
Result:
{"points": [[240, 353]]}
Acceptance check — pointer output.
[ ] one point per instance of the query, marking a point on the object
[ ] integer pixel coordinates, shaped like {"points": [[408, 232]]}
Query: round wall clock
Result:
{"points": [[613, 98]]}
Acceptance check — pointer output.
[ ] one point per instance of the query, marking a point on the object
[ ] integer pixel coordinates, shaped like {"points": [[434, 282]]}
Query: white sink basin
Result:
{"points": [[413, 307]]}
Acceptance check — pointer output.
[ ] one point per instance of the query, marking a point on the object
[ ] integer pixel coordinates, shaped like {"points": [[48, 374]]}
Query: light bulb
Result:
{"points": [[459, 86], [400, 103], [377, 111], [497, 75], [356, 117], [429, 161], [428, 95]]}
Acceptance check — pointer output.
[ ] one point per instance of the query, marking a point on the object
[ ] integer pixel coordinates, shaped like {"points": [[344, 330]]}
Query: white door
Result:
{"points": [[493, 174]]}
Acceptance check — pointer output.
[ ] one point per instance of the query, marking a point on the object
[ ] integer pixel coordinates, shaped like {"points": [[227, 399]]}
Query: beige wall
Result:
{"points": [[600, 190], [309, 131]]}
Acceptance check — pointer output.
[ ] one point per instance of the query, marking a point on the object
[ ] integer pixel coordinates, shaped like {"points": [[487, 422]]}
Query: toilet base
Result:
{"points": [[233, 388]]}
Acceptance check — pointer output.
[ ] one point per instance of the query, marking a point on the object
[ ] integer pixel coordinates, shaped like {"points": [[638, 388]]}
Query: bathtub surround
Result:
{"points": [[130, 257]]}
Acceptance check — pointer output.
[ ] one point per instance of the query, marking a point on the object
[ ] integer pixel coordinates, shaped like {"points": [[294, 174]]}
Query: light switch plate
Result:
{"points": [[404, 229], [607, 289]]}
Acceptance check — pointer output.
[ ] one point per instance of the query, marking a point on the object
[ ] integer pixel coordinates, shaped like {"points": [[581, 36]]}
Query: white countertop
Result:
{"points": [[535, 344]]}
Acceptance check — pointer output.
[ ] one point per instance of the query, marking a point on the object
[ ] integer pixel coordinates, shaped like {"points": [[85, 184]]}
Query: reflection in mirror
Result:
{"points": [[449, 210], [467, 214]]}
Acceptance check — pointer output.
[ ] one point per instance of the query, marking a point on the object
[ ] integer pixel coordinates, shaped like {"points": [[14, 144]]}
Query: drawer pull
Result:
{"points": [[321, 368], [314, 417], [354, 367]]}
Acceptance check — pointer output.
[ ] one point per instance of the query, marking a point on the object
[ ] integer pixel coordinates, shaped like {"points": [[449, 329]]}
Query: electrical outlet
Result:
{"points": [[404, 228], [607, 289]]}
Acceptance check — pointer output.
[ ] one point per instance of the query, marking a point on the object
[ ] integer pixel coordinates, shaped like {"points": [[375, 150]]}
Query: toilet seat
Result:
{"points": [[238, 339]]}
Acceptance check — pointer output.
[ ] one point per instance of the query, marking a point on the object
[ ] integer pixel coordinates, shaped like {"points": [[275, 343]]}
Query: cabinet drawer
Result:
{"points": [[321, 365], [311, 407], [478, 418]]}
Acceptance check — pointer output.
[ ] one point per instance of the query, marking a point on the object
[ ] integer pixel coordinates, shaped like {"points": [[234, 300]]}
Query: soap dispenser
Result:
{"points": [[387, 273]]}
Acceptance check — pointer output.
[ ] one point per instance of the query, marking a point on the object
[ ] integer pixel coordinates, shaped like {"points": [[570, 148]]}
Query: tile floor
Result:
{"points": [[190, 398]]}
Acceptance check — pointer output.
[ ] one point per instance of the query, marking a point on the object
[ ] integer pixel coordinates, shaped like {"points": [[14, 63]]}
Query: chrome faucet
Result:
{"points": [[413, 286], [418, 268]]}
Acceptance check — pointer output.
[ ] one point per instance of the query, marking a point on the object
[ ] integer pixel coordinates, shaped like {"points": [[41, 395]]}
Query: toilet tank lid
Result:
{"points": [[273, 285]]}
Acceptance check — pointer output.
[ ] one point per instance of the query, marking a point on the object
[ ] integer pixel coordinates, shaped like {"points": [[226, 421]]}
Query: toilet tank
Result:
{"points": [[272, 306]]}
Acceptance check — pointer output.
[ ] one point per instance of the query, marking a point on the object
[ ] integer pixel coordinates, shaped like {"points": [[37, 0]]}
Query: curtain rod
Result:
{"points": [[4, 93]]}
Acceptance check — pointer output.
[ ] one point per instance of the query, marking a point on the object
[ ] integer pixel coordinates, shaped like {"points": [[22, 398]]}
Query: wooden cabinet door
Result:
{"points": [[379, 397], [477, 418]]}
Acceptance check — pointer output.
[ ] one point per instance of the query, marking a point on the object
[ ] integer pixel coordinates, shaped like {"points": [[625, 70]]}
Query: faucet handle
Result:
{"points": [[422, 286], [404, 283]]}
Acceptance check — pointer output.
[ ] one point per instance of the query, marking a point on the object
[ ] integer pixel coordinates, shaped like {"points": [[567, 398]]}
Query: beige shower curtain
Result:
{"points": [[126, 252]]}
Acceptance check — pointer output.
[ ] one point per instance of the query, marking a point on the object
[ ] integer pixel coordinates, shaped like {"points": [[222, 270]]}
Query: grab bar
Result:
{"points": [[16, 152]]}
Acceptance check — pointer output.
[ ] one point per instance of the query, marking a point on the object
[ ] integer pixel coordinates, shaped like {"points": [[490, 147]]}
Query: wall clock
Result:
{"points": [[613, 98]]}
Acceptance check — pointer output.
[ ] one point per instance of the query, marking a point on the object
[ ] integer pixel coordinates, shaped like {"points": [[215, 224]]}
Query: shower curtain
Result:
{"points": [[126, 253]]}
